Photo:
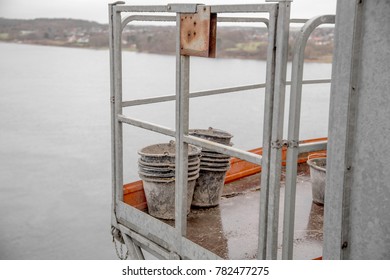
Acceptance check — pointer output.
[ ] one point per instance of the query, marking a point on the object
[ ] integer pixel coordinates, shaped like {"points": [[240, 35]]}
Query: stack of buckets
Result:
{"points": [[213, 168], [206, 174], [157, 170]]}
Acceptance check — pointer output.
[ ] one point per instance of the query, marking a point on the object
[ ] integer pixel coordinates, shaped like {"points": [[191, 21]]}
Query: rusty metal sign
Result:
{"points": [[198, 33]]}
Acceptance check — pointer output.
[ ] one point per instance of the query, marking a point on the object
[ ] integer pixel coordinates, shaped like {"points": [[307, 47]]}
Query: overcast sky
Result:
{"points": [[96, 10]]}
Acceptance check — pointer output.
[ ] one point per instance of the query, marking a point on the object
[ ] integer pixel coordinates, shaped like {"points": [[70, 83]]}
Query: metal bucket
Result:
{"points": [[318, 176], [213, 155], [209, 188], [206, 164], [216, 160], [157, 174], [160, 196], [191, 163], [156, 168], [212, 134], [149, 169], [213, 168], [165, 153]]}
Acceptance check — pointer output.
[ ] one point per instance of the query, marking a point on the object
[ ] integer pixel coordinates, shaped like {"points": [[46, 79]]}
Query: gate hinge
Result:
{"points": [[278, 144], [293, 144]]}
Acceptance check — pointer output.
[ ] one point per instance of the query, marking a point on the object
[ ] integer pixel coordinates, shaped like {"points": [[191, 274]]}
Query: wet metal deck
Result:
{"points": [[230, 230]]}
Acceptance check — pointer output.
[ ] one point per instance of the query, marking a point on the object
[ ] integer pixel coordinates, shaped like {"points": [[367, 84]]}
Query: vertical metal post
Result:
{"points": [[267, 128], [353, 99], [283, 24], [292, 152], [117, 83], [112, 108], [293, 131], [116, 126], [342, 126], [182, 123]]}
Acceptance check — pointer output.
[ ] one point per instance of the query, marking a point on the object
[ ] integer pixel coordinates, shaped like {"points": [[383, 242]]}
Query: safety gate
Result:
{"points": [[140, 231]]}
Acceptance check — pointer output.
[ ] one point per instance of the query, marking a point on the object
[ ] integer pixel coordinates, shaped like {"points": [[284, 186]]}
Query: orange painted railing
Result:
{"points": [[240, 168]]}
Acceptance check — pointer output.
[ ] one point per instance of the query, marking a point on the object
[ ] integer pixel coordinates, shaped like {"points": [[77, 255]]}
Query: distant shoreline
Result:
{"points": [[249, 43], [323, 59]]}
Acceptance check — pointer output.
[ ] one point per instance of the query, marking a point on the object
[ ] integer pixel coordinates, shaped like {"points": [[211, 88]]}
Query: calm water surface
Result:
{"points": [[55, 177]]}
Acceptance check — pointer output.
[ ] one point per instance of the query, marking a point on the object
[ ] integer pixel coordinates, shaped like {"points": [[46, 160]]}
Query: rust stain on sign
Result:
{"points": [[198, 33]]}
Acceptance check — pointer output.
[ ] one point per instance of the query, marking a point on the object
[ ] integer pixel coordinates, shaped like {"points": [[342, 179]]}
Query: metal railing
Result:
{"points": [[293, 131], [139, 229]]}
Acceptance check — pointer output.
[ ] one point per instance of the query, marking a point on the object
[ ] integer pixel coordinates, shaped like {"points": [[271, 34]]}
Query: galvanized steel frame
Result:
{"points": [[348, 77], [272, 157], [144, 231], [136, 222], [293, 130]]}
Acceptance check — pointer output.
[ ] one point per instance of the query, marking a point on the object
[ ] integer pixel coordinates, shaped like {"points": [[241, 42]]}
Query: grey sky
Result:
{"points": [[96, 10]]}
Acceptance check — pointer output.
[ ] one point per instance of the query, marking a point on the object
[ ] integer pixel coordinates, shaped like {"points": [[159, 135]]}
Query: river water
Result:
{"points": [[55, 177]]}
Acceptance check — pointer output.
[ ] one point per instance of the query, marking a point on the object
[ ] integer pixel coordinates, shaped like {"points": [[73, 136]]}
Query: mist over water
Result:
{"points": [[55, 166]]}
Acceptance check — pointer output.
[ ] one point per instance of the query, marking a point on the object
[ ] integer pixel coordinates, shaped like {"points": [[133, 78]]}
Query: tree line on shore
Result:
{"points": [[232, 41]]}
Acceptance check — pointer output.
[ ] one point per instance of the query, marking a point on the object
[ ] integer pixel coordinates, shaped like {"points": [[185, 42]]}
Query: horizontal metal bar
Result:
{"points": [[243, 19], [173, 19], [298, 20], [183, 8], [147, 125], [141, 9], [131, 18], [312, 147], [219, 19], [151, 100], [223, 149], [243, 8], [192, 95], [191, 8], [166, 98], [225, 90], [310, 82]]}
